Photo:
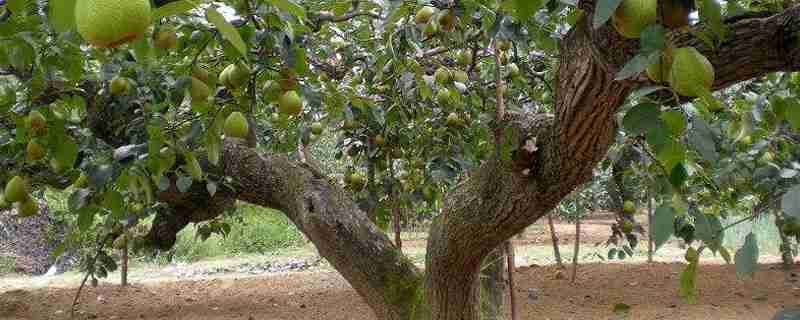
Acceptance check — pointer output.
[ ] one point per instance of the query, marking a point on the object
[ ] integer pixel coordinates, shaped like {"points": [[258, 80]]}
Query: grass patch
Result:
{"points": [[254, 230]]}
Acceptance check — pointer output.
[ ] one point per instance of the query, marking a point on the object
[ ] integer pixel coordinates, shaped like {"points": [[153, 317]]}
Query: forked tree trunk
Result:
{"points": [[554, 240]]}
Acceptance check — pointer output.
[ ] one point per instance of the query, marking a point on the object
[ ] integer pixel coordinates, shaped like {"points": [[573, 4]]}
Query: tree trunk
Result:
{"points": [[123, 271], [650, 244], [398, 227], [511, 267], [577, 250], [492, 286], [554, 238], [787, 258]]}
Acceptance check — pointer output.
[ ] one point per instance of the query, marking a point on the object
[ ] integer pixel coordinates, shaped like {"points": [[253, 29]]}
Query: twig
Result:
{"points": [[89, 272]]}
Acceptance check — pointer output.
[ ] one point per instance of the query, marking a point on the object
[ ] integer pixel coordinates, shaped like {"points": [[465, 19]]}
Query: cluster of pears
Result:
{"points": [[202, 82], [38, 127], [16, 191], [686, 70], [445, 20], [111, 23]]}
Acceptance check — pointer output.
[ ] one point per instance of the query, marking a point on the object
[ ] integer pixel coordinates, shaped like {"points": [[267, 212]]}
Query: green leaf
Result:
{"points": [[636, 65], [524, 9], [61, 15], [671, 155], [678, 175], [790, 202], [174, 8], [184, 183], [711, 15], [289, 7], [792, 115], [85, 218], [662, 226], [641, 117], [652, 39], [675, 121], [66, 152], [114, 202], [746, 257], [227, 30], [702, 139], [605, 9]]}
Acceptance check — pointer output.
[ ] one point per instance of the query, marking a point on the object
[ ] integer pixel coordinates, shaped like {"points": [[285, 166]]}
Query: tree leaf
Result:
{"points": [[85, 218], [184, 183], [746, 257], [790, 202], [227, 30], [641, 117], [635, 66], [652, 39], [289, 7], [662, 227], [174, 8], [711, 15], [524, 9], [604, 10], [62, 15], [675, 121], [702, 139]]}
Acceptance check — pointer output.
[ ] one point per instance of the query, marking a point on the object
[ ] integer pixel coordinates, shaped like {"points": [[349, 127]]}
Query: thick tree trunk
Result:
{"points": [[554, 239]]}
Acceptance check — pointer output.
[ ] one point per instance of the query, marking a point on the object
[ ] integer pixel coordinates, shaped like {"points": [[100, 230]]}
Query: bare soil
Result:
{"points": [[214, 290], [650, 291]]}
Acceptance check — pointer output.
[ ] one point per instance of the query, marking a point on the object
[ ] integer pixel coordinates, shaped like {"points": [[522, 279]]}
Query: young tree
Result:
{"points": [[132, 116]]}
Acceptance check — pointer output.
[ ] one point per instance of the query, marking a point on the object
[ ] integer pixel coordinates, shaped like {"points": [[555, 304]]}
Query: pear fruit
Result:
{"points": [[27, 208], [37, 122], [119, 86], [317, 128], [290, 103], [165, 39], [199, 90], [34, 151], [236, 125], [632, 16], [234, 75], [110, 23], [424, 14], [16, 190]]}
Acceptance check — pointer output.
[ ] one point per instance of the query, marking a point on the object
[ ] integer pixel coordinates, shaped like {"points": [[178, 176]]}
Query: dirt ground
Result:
{"points": [[650, 290], [206, 291]]}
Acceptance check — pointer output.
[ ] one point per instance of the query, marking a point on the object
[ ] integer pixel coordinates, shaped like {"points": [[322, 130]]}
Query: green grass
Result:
{"points": [[254, 230], [6, 265]]}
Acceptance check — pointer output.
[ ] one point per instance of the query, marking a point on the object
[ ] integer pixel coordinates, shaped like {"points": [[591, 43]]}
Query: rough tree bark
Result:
{"points": [[498, 199]]}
